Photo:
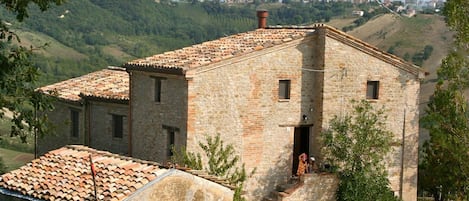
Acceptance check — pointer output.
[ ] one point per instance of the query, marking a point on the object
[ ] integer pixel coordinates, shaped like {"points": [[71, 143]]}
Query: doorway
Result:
{"points": [[300, 145]]}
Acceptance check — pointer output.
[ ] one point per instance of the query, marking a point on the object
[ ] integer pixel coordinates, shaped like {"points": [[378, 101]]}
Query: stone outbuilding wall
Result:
{"points": [[62, 135], [100, 120], [179, 185]]}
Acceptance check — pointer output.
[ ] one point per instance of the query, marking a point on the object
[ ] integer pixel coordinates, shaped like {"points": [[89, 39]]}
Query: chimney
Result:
{"points": [[262, 18]]}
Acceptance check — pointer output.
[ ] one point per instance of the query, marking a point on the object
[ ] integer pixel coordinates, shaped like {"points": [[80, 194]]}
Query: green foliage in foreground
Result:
{"points": [[444, 167], [222, 162], [18, 76], [356, 145]]}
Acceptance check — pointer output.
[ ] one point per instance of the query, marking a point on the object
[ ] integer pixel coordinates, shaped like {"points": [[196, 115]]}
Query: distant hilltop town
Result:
{"points": [[418, 5]]}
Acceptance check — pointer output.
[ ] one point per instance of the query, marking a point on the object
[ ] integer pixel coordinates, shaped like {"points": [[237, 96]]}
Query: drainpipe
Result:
{"points": [[402, 157], [129, 120], [262, 18]]}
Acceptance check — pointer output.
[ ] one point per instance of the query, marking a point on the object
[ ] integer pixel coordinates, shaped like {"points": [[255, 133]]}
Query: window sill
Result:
{"points": [[283, 100], [372, 100]]}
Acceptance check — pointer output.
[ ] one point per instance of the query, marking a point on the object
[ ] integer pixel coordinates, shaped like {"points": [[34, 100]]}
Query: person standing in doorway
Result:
{"points": [[302, 164]]}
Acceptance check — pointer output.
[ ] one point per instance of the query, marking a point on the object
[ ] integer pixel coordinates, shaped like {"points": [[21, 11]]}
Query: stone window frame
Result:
{"points": [[120, 129], [372, 89], [284, 89], [74, 123], [157, 88]]}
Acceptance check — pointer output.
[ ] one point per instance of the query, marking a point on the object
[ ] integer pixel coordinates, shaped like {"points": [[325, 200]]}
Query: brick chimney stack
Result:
{"points": [[262, 18]]}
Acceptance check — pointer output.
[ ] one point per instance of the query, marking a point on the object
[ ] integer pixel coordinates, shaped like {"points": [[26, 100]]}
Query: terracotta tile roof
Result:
{"points": [[110, 83], [220, 49], [64, 174], [181, 60]]}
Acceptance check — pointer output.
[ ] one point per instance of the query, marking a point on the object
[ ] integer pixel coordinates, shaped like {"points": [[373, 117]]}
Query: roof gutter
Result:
{"points": [[154, 69], [17, 195]]}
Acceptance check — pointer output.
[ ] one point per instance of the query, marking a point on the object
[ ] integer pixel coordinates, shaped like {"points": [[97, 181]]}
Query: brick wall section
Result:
{"points": [[61, 120], [318, 187], [149, 139], [101, 125], [238, 99], [398, 93]]}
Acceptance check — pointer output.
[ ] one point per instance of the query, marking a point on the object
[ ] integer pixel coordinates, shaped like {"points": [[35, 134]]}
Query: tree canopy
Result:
{"points": [[356, 145], [18, 74], [444, 167]]}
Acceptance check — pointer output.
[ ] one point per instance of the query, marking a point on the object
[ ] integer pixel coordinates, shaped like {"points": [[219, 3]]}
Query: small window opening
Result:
{"points": [[75, 120], [284, 89], [372, 90], [117, 126]]}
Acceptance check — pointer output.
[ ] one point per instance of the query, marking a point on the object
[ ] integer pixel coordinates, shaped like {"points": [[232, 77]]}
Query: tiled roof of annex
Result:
{"points": [[111, 83], [210, 52], [65, 174]]}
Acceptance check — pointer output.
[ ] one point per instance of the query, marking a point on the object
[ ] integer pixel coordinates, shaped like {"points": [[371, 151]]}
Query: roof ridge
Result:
{"points": [[109, 154], [116, 68]]}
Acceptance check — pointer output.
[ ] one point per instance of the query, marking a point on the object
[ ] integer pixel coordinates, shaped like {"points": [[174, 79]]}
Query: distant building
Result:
{"points": [[358, 13]]}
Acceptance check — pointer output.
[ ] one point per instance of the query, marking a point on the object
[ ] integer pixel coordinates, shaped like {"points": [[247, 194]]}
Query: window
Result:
{"points": [[372, 89], [171, 135], [158, 86], [117, 126], [75, 126], [284, 89], [170, 138]]}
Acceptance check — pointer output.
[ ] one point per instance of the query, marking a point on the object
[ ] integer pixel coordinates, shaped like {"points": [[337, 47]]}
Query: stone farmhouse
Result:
{"points": [[92, 110], [269, 92], [66, 174]]}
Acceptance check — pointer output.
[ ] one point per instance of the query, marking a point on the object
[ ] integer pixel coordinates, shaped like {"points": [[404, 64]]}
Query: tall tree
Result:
{"points": [[18, 75], [444, 168], [356, 145]]}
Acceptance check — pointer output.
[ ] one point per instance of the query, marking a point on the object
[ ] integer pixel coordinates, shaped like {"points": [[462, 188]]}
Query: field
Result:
{"points": [[15, 159], [13, 152]]}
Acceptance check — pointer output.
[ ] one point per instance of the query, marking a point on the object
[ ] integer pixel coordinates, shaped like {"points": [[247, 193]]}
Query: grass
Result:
{"points": [[14, 143], [14, 152], [14, 159]]}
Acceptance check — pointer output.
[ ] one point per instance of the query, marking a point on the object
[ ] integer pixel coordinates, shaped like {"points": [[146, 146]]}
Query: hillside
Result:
{"points": [[87, 35]]}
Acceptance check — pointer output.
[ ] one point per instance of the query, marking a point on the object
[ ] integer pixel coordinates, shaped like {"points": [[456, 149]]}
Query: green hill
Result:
{"points": [[87, 35]]}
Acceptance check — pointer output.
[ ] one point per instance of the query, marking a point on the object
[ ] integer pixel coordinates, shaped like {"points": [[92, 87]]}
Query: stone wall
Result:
{"points": [[150, 118], [318, 187], [101, 127], [347, 71], [178, 185], [61, 120], [238, 99]]}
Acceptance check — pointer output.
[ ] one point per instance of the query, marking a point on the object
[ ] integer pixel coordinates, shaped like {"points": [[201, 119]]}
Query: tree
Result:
{"points": [[3, 168], [444, 168], [18, 75], [222, 162], [356, 145]]}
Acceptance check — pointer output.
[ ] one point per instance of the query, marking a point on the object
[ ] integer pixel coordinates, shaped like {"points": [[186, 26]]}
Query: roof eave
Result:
{"points": [[154, 69], [124, 101], [16, 194]]}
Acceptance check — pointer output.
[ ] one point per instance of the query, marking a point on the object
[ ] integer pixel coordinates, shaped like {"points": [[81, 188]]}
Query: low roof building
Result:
{"points": [[66, 174]]}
